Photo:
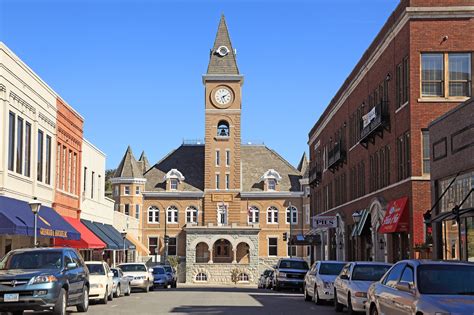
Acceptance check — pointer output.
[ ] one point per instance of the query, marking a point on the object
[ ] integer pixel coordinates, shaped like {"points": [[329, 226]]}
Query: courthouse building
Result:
{"points": [[224, 205], [370, 149]]}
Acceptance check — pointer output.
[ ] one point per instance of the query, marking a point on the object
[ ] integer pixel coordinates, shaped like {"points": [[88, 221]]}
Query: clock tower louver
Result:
{"points": [[223, 104]]}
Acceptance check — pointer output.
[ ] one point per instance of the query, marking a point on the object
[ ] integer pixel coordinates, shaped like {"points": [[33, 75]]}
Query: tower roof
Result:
{"points": [[143, 162], [222, 61], [303, 165], [128, 166]]}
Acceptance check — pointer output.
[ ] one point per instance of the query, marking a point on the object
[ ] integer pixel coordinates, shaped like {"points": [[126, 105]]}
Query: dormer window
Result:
{"points": [[173, 179], [271, 178], [223, 129]]}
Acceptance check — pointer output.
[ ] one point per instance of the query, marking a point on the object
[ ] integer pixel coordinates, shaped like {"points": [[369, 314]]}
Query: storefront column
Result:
{"points": [[234, 252], [211, 256]]}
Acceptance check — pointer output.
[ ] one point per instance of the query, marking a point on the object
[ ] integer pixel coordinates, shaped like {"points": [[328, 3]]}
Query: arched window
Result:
{"points": [[243, 277], [172, 214], [191, 214], [153, 214], [291, 215], [253, 214], [223, 129], [201, 277], [272, 215]]}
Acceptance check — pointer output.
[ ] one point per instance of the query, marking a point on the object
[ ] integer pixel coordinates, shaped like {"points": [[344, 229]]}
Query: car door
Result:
{"points": [[340, 284], [387, 294], [72, 276], [108, 273], [310, 279], [405, 302]]}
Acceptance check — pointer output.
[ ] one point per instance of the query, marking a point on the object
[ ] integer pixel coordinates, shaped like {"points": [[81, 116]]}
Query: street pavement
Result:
{"points": [[187, 299]]}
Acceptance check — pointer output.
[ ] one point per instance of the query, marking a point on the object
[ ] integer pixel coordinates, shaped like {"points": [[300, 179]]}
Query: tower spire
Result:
{"points": [[222, 60]]}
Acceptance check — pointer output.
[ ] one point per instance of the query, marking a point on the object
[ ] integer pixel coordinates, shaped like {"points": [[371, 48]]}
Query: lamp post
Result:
{"points": [[356, 216], [124, 235], [35, 206]]}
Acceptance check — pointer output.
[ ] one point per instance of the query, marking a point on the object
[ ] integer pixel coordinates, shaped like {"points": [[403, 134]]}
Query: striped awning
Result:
{"points": [[357, 231]]}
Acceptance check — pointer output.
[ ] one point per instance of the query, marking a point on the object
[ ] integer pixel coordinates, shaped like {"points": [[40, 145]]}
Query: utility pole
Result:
{"points": [[291, 230]]}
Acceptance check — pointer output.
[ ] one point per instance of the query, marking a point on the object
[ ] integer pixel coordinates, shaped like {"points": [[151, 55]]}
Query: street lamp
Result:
{"points": [[356, 216], [124, 235], [35, 206]]}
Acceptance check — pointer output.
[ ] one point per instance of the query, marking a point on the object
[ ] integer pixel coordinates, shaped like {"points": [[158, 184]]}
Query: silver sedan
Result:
{"points": [[121, 283], [350, 287], [424, 287], [319, 280]]}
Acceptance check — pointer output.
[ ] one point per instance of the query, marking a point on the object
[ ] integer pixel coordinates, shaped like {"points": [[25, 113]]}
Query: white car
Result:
{"points": [[141, 277], [319, 280], [101, 281], [352, 284]]}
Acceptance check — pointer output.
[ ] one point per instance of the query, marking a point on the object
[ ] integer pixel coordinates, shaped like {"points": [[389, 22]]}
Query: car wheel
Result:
{"points": [[374, 310], [61, 303], [307, 297], [147, 288], [118, 292], [350, 311], [337, 306], [111, 295], [84, 305], [106, 297], [175, 285], [316, 298], [129, 290]]}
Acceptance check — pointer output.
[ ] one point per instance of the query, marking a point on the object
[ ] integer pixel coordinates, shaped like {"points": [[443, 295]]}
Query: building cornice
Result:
{"points": [[272, 194], [223, 77], [173, 194], [127, 180], [408, 14]]}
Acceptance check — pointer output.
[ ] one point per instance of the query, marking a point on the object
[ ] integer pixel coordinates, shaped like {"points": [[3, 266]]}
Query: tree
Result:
{"points": [[108, 185]]}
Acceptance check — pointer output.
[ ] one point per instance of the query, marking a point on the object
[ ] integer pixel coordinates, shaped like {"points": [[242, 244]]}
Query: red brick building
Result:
{"points": [[369, 150], [68, 160]]}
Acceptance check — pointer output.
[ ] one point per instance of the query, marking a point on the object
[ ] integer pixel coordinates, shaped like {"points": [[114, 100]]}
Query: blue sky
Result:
{"points": [[133, 68]]}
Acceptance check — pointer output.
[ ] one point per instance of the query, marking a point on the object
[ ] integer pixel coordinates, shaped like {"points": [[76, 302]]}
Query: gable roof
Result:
{"points": [[222, 64], [129, 167]]}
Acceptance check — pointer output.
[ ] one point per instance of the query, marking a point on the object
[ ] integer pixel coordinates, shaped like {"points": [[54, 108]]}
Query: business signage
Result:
{"points": [[53, 233], [367, 118], [324, 222]]}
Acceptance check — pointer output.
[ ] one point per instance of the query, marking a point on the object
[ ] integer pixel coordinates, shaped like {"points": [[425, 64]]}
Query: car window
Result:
{"points": [[67, 259], [408, 276], [391, 279], [332, 269], [133, 268], [75, 258], [158, 271], [345, 270], [96, 269], [369, 272], [116, 273], [33, 260], [293, 264], [446, 279]]}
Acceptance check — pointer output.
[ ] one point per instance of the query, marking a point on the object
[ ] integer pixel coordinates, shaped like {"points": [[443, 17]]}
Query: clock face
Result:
{"points": [[223, 96]]}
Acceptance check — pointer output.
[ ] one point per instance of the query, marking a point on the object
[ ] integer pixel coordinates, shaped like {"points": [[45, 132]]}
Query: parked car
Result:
{"points": [[269, 280], [160, 277], [262, 281], [352, 284], [43, 279], [424, 287], [101, 280], [141, 277], [121, 283], [319, 281], [172, 277], [290, 273]]}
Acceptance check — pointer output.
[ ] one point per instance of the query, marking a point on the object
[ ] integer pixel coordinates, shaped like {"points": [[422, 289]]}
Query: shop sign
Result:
{"points": [[324, 222], [53, 233], [367, 118]]}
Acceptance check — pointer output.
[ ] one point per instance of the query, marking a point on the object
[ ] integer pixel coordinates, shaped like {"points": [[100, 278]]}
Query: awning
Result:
{"points": [[451, 215], [140, 247], [396, 217], [16, 218], [109, 235], [88, 239], [357, 231]]}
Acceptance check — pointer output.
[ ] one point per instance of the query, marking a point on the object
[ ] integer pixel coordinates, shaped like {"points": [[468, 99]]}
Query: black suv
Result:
{"points": [[43, 279], [290, 273]]}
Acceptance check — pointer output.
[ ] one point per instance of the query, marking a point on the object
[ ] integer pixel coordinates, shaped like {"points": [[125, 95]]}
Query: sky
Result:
{"points": [[133, 68]]}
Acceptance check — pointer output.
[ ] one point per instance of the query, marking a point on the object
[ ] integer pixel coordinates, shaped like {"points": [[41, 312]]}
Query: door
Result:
{"points": [[386, 293], [405, 301], [340, 285], [310, 279], [72, 277], [79, 275]]}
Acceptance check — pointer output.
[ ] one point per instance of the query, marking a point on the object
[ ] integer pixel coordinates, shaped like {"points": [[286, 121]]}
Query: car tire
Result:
{"points": [[374, 310], [174, 285], [307, 297], [84, 305], [61, 303], [350, 311], [316, 298], [111, 295], [118, 292], [337, 306], [129, 291], [147, 288], [105, 299]]}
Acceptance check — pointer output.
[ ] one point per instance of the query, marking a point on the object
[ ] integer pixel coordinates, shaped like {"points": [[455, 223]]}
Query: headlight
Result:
{"points": [[282, 274], [97, 285], [42, 279], [360, 294], [327, 285]]}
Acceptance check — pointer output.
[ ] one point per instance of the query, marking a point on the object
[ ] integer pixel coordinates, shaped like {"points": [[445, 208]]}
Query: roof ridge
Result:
{"points": [[282, 158]]}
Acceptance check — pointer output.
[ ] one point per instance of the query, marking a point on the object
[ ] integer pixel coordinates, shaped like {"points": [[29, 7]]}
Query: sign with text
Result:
{"points": [[324, 222]]}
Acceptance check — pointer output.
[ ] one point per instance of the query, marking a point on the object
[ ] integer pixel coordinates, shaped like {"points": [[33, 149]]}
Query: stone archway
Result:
{"points": [[203, 254], [223, 250], [242, 255], [379, 241]]}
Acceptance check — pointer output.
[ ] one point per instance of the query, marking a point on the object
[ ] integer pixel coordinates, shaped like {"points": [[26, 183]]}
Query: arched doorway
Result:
{"points": [[379, 241], [202, 253], [243, 253], [222, 252], [340, 239]]}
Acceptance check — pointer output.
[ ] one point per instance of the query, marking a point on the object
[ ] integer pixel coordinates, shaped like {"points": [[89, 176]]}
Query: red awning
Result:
{"points": [[396, 217], [88, 239]]}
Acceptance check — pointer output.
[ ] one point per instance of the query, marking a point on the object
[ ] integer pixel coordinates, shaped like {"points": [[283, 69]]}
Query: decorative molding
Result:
{"points": [[409, 14], [271, 174], [222, 77], [174, 174], [47, 120], [127, 180], [272, 194], [173, 194], [22, 102]]}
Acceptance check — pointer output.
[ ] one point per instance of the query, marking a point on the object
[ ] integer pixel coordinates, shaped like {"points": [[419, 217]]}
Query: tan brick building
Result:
{"points": [[223, 205]]}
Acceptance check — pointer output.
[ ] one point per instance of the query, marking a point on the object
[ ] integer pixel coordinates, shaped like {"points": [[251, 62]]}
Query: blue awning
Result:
{"points": [[109, 235], [16, 218]]}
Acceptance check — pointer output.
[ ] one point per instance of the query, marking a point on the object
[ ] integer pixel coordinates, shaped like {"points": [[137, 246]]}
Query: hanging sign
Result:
{"points": [[324, 222]]}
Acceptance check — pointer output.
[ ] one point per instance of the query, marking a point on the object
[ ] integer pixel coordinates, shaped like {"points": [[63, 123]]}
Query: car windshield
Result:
{"points": [[32, 260], [96, 269], [158, 271], [449, 279], [294, 264], [331, 269], [168, 269], [369, 272], [133, 268]]}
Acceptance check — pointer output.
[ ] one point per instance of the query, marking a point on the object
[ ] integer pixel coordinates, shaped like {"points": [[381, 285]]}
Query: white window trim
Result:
{"points": [[227, 158], [227, 181], [191, 209], [271, 213], [291, 216], [137, 190], [156, 214], [137, 210], [218, 181], [125, 190], [307, 213], [158, 242], [174, 216], [174, 180], [218, 157], [251, 217]]}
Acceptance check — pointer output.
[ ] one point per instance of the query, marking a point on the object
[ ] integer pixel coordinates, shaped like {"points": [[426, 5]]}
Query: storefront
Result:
{"points": [[17, 226]]}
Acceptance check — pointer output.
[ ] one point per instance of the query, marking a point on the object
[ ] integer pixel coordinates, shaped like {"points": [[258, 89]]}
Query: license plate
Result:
{"points": [[15, 297]]}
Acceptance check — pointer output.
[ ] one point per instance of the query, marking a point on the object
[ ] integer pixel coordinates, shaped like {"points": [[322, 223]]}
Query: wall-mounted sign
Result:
{"points": [[367, 118], [324, 222]]}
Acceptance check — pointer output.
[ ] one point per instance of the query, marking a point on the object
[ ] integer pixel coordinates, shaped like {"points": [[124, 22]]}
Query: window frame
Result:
{"points": [[192, 213], [154, 214], [126, 190], [425, 158], [175, 246], [174, 184], [155, 247], [11, 141], [253, 216], [293, 213], [174, 217], [272, 246], [272, 215]]}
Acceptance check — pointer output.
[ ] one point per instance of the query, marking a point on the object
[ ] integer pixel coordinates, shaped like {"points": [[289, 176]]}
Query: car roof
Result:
{"points": [[49, 249], [293, 259], [419, 262], [332, 261], [137, 263], [377, 263]]}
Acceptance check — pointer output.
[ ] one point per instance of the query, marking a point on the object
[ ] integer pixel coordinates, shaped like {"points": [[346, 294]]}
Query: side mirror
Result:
{"points": [[71, 266], [404, 286], [150, 270], [344, 277], [111, 274], [275, 267]]}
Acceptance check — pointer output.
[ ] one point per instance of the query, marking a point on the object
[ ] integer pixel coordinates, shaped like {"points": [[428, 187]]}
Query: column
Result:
{"points": [[211, 255], [234, 252]]}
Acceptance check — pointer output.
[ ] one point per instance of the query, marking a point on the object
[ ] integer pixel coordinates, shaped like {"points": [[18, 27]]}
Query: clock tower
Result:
{"points": [[223, 104]]}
